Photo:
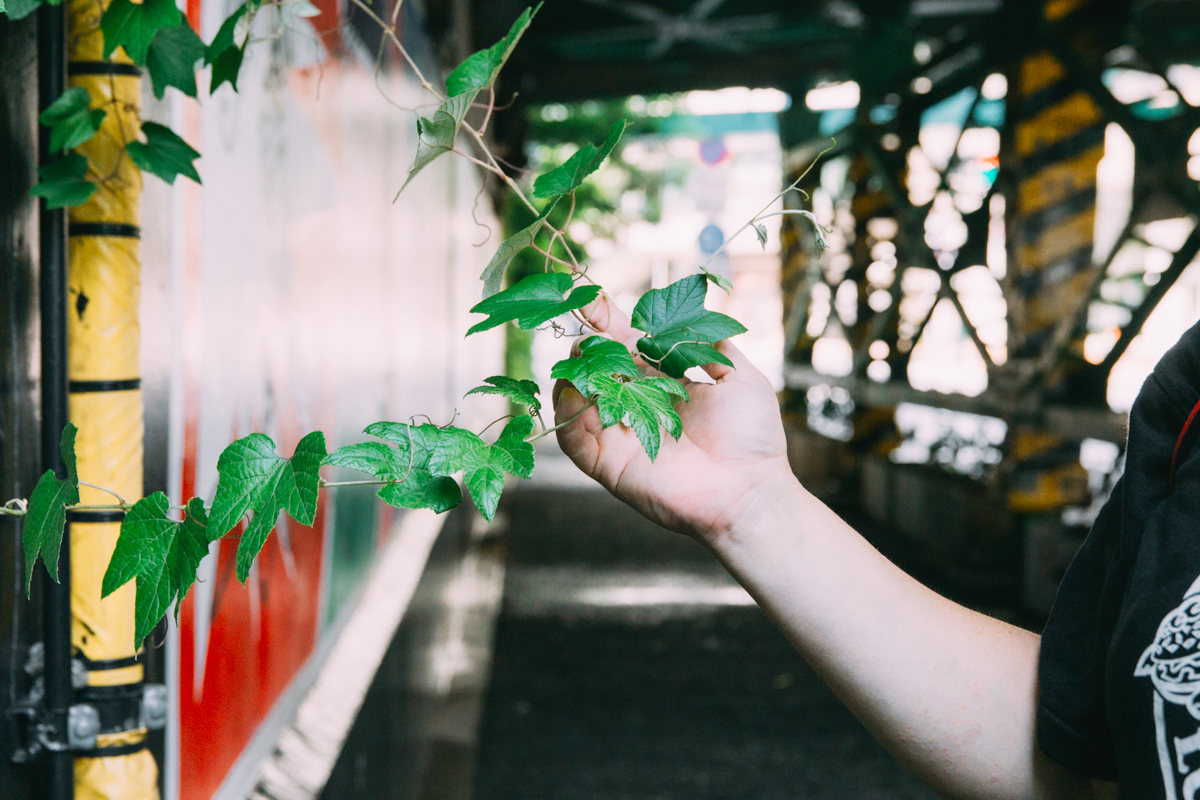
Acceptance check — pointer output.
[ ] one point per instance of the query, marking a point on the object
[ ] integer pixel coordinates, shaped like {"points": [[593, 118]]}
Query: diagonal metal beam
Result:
{"points": [[1183, 257]]}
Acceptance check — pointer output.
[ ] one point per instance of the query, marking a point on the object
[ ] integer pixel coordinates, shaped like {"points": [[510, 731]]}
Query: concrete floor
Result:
{"points": [[628, 666]]}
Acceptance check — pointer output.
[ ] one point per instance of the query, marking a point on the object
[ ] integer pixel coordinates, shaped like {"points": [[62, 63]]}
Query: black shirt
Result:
{"points": [[1120, 657]]}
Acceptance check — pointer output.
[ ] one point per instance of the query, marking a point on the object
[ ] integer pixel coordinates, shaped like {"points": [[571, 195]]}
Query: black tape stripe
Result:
{"points": [[1062, 150], [115, 750], [87, 387], [96, 516], [103, 68], [104, 229], [108, 663], [1033, 225]]}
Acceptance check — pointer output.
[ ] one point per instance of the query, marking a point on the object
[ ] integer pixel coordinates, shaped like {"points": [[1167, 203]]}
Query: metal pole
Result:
{"points": [[52, 286]]}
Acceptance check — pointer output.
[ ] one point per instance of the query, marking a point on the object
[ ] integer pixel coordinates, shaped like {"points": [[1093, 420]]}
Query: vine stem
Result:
{"points": [[794, 185], [562, 424], [120, 499], [390, 31], [324, 484]]}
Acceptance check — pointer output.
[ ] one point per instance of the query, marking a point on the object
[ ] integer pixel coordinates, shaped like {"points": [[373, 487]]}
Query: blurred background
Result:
{"points": [[1010, 188]]}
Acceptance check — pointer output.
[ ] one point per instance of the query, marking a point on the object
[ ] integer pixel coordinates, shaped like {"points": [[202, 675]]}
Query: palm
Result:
{"points": [[732, 442]]}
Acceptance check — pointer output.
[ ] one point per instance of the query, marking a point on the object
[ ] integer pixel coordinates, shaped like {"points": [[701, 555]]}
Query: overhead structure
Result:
{"points": [[1015, 181]]}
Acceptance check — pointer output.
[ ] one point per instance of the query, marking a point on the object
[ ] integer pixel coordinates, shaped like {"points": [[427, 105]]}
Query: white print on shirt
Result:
{"points": [[1173, 664]]}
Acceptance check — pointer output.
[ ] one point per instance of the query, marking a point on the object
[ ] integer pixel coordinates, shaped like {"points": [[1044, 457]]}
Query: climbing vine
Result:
{"points": [[160, 546]]}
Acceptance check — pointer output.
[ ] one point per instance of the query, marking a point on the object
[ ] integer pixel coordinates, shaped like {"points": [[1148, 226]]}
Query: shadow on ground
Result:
{"points": [[628, 666]]}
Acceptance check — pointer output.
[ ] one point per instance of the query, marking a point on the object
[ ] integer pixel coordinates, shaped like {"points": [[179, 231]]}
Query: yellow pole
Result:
{"points": [[106, 404]]}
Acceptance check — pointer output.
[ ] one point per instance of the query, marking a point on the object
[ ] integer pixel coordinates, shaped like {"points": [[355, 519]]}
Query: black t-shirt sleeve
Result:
{"points": [[1072, 726]]}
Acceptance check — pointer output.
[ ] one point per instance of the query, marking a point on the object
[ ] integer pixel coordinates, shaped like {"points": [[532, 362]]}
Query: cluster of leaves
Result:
{"points": [[413, 465], [153, 34]]}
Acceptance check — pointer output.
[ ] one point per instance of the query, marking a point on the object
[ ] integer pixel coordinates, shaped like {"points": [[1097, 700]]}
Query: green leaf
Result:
{"points": [[62, 182], [436, 136], [679, 329], [479, 70], [226, 53], [423, 490], [597, 356], [586, 160], [164, 154], [225, 69], [373, 458], [416, 486], [47, 512], [534, 300], [761, 231], [512, 441], [189, 549], [162, 554], [71, 119], [225, 34], [483, 465], [493, 274], [252, 477], [518, 391], [172, 59], [421, 439], [645, 405], [450, 452], [717, 280], [142, 547], [132, 26]]}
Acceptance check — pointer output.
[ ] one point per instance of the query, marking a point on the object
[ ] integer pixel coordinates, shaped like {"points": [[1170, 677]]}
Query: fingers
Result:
{"points": [[742, 368], [603, 315], [578, 439]]}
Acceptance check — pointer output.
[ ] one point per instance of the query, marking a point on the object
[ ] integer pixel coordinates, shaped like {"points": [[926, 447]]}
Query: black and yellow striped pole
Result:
{"points": [[105, 402]]}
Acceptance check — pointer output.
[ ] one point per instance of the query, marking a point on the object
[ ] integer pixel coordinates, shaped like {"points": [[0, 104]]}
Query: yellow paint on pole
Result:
{"points": [[103, 279]]}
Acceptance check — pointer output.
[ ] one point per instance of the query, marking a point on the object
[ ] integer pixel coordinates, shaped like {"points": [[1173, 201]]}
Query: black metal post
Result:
{"points": [[52, 284]]}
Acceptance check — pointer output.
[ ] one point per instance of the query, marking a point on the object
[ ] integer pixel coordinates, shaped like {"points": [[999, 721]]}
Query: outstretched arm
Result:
{"points": [[951, 693]]}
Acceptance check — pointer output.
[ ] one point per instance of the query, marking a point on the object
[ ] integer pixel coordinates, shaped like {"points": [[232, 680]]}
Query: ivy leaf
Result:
{"points": [[71, 119], [532, 301], [484, 467], [133, 25], [493, 274], [512, 441], [479, 69], [62, 182], [761, 230], [717, 280], [597, 356], [225, 68], [172, 59], [228, 47], [189, 549], [145, 540], [373, 458], [161, 553], [423, 490], [518, 391], [436, 136], [421, 439], [417, 487], [47, 512], [679, 329], [254, 478], [164, 154], [645, 405], [484, 464], [586, 160]]}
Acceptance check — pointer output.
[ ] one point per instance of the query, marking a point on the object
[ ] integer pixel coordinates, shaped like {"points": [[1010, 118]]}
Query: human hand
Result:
{"points": [[731, 458]]}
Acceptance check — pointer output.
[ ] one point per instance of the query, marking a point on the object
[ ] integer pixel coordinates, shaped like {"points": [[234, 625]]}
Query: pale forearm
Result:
{"points": [[948, 691]]}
